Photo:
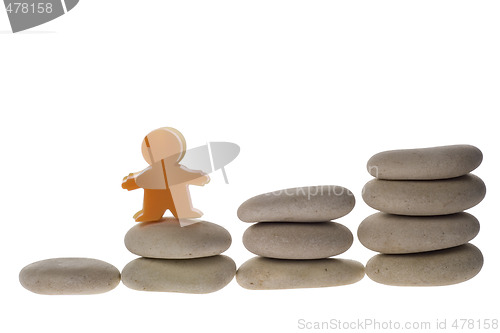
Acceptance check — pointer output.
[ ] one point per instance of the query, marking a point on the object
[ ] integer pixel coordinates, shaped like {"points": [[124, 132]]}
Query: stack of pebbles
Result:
{"points": [[422, 231], [178, 255], [294, 237]]}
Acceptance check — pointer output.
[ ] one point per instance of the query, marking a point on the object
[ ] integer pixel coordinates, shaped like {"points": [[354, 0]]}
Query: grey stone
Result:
{"points": [[435, 268], [301, 204], [69, 276], [292, 240], [424, 197], [261, 273], [192, 276], [387, 233], [425, 163], [167, 239]]}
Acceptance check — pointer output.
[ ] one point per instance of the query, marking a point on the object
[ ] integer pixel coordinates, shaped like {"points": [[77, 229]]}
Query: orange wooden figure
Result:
{"points": [[165, 181]]}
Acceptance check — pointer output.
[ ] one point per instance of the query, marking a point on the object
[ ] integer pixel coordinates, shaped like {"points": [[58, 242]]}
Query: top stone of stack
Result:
{"points": [[425, 163], [300, 204]]}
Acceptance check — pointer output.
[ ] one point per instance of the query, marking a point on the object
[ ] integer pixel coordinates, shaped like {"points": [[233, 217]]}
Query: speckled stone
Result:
{"points": [[261, 273], [69, 276], [292, 240], [424, 197], [301, 204], [191, 276], [167, 239], [388, 233], [425, 163], [435, 268]]}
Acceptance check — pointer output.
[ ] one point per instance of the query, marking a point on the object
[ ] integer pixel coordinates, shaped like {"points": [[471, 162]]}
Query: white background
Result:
{"points": [[308, 89]]}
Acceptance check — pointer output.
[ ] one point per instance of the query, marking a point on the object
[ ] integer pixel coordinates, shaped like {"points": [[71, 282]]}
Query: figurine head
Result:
{"points": [[162, 143]]}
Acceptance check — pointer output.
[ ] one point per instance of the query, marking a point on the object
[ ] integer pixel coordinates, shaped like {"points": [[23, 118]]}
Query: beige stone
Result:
{"points": [[69, 276], [425, 163], [192, 276], [424, 197], [388, 233], [292, 240], [167, 239], [261, 273], [436, 268], [301, 204]]}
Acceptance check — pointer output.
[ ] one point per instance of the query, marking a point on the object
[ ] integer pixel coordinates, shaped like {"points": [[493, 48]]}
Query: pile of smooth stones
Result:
{"points": [[421, 232]]}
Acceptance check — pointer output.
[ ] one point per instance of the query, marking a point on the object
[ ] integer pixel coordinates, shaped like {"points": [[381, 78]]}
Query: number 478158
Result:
{"points": [[26, 8], [477, 324]]}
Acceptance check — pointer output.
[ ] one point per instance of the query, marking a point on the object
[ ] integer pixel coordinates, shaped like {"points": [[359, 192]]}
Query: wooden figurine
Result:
{"points": [[165, 181]]}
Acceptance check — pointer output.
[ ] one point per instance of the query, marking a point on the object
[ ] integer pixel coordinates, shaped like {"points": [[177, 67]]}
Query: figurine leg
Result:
{"points": [[139, 213], [189, 214], [181, 200], [156, 202]]}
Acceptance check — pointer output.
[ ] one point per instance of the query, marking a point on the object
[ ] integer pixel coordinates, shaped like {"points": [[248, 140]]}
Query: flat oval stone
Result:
{"points": [[388, 233], [301, 204], [435, 268], [69, 276], [261, 273], [192, 276], [424, 197], [425, 163], [292, 240], [168, 239]]}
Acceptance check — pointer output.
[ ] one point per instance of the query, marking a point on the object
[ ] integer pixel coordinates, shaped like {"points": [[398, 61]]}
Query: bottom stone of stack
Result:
{"points": [[261, 273], [434, 268], [192, 276]]}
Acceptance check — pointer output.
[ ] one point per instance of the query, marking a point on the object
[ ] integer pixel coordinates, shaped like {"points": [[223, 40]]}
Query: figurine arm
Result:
{"points": [[196, 177], [181, 174], [129, 182]]}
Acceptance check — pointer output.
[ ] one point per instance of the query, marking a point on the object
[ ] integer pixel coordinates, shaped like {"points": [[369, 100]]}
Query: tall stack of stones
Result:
{"points": [[293, 238], [178, 255], [421, 231]]}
